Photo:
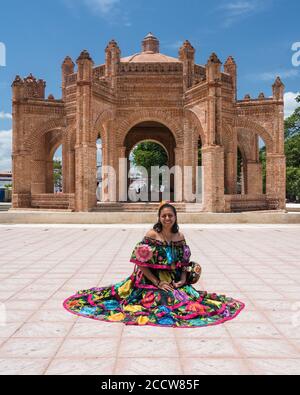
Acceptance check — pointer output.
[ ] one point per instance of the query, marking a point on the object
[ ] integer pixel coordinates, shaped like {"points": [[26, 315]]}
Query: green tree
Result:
{"points": [[57, 174], [292, 123], [263, 161], [149, 154], [293, 183], [292, 152]]}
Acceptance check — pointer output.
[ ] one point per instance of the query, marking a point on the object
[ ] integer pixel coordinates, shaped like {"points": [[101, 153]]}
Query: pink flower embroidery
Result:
{"points": [[144, 253]]}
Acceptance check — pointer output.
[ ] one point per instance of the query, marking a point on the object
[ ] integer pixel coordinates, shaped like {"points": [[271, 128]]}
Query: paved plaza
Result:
{"points": [[40, 266]]}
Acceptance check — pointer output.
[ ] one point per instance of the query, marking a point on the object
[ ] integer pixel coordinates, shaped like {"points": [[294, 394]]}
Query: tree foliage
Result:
{"points": [[57, 174], [148, 155], [292, 152], [292, 123]]}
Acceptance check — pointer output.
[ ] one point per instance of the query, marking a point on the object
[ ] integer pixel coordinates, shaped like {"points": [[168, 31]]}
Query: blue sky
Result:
{"points": [[39, 34]]}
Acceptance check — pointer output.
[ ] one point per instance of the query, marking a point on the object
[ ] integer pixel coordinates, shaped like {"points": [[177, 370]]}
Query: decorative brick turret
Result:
{"points": [[213, 69], [28, 88], [112, 62], [278, 89], [187, 57], [230, 68], [67, 67], [150, 44]]}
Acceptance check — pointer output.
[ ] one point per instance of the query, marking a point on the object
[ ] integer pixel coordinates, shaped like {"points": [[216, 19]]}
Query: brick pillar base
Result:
{"points": [[254, 178], [213, 166], [276, 179], [21, 200], [86, 180]]}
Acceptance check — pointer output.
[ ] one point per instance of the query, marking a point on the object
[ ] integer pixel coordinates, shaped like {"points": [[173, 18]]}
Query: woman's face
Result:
{"points": [[167, 218]]}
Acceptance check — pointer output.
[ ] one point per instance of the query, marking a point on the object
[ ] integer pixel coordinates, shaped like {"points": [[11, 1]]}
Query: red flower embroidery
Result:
{"points": [[144, 253]]}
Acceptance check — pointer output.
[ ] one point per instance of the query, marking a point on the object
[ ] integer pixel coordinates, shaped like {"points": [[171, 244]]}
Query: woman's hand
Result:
{"points": [[180, 284], [163, 285]]}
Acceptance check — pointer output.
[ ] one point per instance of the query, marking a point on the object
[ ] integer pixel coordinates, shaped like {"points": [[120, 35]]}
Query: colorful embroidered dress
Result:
{"points": [[136, 301]]}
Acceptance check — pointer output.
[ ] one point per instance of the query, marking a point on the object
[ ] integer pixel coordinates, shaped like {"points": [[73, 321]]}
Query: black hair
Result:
{"points": [[159, 226]]}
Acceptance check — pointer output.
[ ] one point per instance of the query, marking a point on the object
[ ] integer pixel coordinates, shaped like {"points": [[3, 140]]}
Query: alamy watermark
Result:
{"points": [[2, 55], [163, 183], [296, 56]]}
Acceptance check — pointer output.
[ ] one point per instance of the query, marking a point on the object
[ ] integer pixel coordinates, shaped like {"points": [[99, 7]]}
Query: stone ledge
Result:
{"points": [[44, 217]]}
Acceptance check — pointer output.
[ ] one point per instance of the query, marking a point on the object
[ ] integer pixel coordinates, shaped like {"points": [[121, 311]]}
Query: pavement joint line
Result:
{"points": [[42, 304], [72, 326]]}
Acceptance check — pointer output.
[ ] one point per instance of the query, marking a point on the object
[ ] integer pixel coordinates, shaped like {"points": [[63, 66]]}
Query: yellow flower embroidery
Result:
{"points": [[143, 320], [117, 317], [125, 290], [133, 309]]}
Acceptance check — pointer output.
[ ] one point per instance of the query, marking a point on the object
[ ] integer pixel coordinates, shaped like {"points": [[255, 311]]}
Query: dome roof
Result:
{"points": [[150, 53], [149, 57]]}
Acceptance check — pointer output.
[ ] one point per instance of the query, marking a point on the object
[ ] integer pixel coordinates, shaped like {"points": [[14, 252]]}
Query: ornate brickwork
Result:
{"points": [[147, 96]]}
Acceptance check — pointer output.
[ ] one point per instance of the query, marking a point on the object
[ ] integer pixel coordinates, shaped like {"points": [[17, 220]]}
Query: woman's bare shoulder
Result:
{"points": [[180, 236], [152, 234]]}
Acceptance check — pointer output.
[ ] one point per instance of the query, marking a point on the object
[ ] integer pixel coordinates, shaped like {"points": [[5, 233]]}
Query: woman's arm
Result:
{"points": [[159, 284], [182, 281], [149, 275]]}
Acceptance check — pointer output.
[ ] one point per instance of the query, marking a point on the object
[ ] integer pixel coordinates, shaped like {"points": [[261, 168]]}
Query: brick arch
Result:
{"points": [[227, 136], [245, 123], [152, 141], [101, 123], [70, 136], [56, 141], [56, 124], [158, 116], [192, 116]]}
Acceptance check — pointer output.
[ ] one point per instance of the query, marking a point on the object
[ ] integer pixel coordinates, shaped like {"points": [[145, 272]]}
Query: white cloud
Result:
{"points": [[290, 103], [5, 115], [284, 74], [102, 6], [175, 45], [109, 10], [236, 10], [5, 149]]}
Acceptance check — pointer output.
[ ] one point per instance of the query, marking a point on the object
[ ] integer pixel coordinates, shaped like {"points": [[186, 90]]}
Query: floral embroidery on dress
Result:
{"points": [[136, 301]]}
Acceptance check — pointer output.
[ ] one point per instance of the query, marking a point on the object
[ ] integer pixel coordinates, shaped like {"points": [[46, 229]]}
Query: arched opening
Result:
{"points": [[199, 173], [240, 187], [58, 170], [147, 154], [251, 163], [148, 145], [99, 164]]}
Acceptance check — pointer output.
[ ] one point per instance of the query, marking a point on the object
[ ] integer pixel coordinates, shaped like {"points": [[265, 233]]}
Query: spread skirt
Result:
{"points": [[125, 303]]}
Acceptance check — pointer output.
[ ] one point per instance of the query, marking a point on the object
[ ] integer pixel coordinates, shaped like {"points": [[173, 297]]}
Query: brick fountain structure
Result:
{"points": [[147, 96]]}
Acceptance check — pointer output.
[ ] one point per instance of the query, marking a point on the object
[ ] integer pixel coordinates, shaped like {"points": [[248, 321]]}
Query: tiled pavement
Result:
{"points": [[40, 266]]}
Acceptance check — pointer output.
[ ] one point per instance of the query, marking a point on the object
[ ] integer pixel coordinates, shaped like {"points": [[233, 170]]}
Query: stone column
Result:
{"points": [[178, 197], [49, 176], [213, 164], [65, 159], [254, 178], [21, 157], [122, 177], [38, 176], [86, 150], [21, 180], [276, 178], [231, 173], [86, 181], [69, 172], [276, 161]]}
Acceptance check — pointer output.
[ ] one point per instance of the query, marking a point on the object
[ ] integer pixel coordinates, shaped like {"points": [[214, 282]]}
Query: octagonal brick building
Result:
{"points": [[148, 96]]}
